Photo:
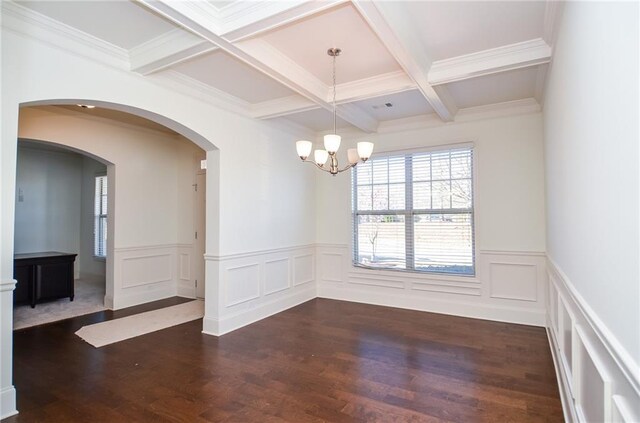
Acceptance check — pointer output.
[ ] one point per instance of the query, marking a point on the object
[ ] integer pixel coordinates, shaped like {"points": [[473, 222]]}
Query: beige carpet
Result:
{"points": [[111, 331], [89, 298]]}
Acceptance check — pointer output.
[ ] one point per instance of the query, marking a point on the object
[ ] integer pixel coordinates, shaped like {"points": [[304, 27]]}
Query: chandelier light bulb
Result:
{"points": [[365, 149], [352, 155], [332, 143], [304, 148], [320, 157]]}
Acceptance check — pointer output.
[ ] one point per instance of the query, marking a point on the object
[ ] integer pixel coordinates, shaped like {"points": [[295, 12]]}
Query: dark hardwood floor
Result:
{"points": [[323, 361]]}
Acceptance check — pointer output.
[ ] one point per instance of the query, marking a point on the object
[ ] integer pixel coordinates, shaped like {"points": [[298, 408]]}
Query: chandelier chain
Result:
{"points": [[334, 94]]}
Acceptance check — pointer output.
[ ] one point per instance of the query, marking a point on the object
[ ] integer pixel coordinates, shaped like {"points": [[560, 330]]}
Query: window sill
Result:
{"points": [[100, 258], [415, 275]]}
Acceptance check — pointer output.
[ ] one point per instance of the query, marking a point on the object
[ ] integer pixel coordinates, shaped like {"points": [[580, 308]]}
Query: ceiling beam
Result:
{"points": [[234, 22], [348, 92], [487, 62], [259, 55], [390, 22], [167, 50]]}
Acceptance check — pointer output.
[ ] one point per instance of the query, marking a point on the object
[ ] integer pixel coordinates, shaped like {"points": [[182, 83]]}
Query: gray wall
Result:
{"points": [[54, 204]]}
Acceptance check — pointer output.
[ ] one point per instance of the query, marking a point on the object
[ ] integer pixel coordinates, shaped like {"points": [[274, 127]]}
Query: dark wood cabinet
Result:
{"points": [[43, 276]]}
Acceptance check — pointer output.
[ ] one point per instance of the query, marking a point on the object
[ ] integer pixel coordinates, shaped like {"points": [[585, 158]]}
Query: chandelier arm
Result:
{"points": [[347, 167], [316, 165]]}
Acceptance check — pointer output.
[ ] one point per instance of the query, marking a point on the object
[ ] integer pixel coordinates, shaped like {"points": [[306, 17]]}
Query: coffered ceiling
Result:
{"points": [[415, 60]]}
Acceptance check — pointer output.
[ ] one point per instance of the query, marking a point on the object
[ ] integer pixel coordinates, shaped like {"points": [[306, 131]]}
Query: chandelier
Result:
{"points": [[332, 141]]}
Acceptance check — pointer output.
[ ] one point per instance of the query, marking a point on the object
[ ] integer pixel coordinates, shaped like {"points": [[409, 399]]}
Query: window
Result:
{"points": [[100, 215], [414, 211]]}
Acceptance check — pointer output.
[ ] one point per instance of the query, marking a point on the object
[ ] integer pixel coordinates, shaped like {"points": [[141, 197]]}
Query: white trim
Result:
{"points": [[514, 253], [552, 15], [211, 257], [229, 323], [409, 52], [8, 285], [487, 62], [282, 107], [618, 353], [374, 86], [501, 313], [8, 402], [488, 111], [197, 89], [605, 376], [568, 408], [166, 50]]}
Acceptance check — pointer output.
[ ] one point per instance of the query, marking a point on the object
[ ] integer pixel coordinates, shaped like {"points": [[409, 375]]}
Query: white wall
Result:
{"points": [[591, 157], [91, 268], [48, 201], [509, 227]]}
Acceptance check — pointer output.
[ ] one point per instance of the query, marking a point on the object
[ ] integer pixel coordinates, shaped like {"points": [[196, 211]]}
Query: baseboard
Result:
{"points": [[524, 316], [218, 327], [186, 290], [125, 301], [8, 402], [568, 406]]}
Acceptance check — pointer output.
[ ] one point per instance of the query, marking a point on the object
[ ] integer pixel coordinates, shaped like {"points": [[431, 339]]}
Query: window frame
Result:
{"points": [[409, 214], [99, 217]]}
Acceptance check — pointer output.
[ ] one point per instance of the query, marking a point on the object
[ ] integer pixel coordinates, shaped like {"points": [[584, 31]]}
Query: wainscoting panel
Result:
{"points": [[276, 275], [149, 273], [508, 286], [599, 381], [186, 284], [259, 284], [242, 283], [331, 266], [513, 281], [303, 269], [146, 269]]}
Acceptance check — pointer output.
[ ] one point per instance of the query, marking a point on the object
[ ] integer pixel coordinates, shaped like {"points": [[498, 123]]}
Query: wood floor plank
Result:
{"points": [[322, 361]]}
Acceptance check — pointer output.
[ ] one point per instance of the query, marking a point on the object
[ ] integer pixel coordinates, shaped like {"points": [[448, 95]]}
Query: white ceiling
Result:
{"points": [[317, 120], [122, 23], [427, 58], [226, 73], [495, 88], [306, 42], [454, 28]]}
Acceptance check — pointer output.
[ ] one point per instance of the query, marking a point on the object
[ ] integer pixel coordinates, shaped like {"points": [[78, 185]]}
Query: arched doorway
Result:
{"points": [[154, 175], [62, 208]]}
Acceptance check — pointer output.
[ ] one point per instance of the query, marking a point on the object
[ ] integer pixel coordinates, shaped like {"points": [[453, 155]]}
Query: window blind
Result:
{"points": [[100, 215], [415, 212]]}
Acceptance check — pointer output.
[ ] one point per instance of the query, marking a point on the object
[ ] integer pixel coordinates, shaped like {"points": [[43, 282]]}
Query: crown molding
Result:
{"points": [[375, 86], [552, 14], [348, 92], [489, 111], [167, 50], [498, 110], [29, 23], [196, 89], [500, 59], [282, 107], [541, 79]]}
